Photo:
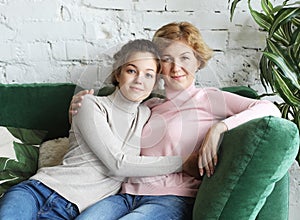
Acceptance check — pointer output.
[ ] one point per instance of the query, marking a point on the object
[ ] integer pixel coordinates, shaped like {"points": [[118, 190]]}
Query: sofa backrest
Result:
{"points": [[44, 106], [36, 106]]}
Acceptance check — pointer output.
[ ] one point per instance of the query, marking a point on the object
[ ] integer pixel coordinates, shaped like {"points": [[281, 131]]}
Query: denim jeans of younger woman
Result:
{"points": [[32, 200], [129, 207]]}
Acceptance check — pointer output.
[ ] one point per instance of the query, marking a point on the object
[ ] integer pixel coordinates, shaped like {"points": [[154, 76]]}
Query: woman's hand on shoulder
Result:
{"points": [[208, 157], [76, 102]]}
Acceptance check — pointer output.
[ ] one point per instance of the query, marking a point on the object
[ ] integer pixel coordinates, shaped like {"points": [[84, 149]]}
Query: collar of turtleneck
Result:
{"points": [[121, 102], [181, 96]]}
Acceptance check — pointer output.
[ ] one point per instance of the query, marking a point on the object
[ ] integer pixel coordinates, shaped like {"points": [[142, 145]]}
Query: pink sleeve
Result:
{"points": [[239, 109]]}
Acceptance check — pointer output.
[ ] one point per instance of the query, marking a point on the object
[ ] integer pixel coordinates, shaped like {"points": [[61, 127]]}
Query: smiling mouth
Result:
{"points": [[177, 77]]}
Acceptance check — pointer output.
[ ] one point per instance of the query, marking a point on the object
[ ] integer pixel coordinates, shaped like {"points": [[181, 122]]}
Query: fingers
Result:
{"points": [[201, 171], [77, 99], [91, 91], [200, 165], [209, 169], [76, 102], [215, 160], [207, 163], [75, 107], [84, 92], [79, 96]]}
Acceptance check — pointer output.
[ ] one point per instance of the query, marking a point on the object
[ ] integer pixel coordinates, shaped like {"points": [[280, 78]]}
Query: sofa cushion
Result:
{"points": [[252, 158], [37, 106], [51, 152], [278, 200]]}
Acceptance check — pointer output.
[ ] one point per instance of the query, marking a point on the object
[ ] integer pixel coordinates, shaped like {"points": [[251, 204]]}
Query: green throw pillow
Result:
{"points": [[243, 91], [253, 157], [18, 155]]}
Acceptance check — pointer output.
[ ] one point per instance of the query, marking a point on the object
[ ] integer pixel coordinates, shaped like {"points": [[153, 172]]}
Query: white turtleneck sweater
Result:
{"points": [[104, 148]]}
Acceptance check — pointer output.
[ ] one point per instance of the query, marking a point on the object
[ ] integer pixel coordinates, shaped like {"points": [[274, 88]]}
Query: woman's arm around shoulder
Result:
{"points": [[91, 123]]}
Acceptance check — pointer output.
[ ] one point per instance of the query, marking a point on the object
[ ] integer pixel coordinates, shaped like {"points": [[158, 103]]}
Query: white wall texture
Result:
{"points": [[64, 40]]}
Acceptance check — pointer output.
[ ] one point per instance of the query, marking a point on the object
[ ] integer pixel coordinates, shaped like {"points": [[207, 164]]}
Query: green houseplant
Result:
{"points": [[280, 60]]}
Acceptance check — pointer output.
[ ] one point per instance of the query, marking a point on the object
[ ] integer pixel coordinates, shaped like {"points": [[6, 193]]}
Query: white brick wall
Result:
{"points": [[64, 40], [47, 40]]}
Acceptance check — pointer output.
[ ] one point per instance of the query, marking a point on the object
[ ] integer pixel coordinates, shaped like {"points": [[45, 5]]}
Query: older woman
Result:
{"points": [[189, 120]]}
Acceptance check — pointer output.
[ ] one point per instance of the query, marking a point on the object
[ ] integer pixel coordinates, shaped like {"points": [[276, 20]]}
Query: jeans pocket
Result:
{"points": [[57, 207]]}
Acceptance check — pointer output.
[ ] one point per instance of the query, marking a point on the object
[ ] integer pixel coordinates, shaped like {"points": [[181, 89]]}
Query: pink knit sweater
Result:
{"points": [[178, 126]]}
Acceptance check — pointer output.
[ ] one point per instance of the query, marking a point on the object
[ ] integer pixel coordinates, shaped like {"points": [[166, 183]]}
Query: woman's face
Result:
{"points": [[138, 76], [179, 65]]}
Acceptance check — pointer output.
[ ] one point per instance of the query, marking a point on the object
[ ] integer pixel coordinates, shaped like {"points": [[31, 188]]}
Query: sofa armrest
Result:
{"points": [[253, 157]]}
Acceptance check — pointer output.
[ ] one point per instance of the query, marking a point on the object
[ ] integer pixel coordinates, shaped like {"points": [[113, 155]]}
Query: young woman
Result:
{"points": [[104, 146], [189, 120]]}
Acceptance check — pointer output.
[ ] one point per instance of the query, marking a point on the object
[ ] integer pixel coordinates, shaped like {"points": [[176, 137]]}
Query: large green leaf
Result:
{"points": [[6, 175], [261, 19], [290, 112], [3, 161], [287, 31], [296, 35], [266, 75], [26, 153], [284, 87], [279, 61], [9, 183], [265, 21], [285, 53], [14, 171], [233, 7], [296, 45], [282, 17], [28, 136], [267, 7], [296, 21]]}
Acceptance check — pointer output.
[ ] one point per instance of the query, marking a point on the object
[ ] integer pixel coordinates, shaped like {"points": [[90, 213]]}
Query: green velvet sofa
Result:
{"points": [[251, 180]]}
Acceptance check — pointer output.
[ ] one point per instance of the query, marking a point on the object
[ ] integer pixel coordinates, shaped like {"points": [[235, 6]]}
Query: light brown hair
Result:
{"points": [[186, 33], [127, 50]]}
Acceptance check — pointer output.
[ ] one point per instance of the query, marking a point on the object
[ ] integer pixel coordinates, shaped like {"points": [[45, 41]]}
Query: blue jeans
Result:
{"points": [[130, 207], [31, 199]]}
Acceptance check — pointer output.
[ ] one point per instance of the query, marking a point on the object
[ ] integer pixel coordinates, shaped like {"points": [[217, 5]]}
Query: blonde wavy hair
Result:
{"points": [[186, 33]]}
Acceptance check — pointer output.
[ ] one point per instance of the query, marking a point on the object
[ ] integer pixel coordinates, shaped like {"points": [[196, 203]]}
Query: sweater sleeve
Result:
{"points": [[238, 109], [92, 125]]}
